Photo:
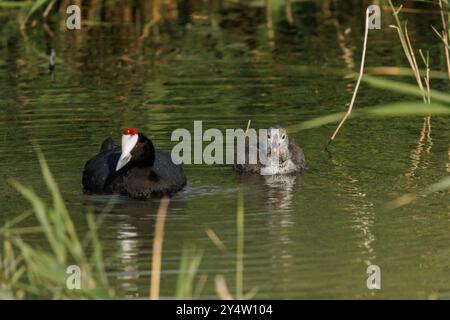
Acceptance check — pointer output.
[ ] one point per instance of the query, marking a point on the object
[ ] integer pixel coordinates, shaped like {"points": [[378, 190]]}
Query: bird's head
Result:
{"points": [[135, 148], [277, 142]]}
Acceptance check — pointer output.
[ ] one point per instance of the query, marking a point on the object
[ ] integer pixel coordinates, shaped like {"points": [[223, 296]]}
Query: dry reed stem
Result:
{"points": [[157, 248], [414, 65], [288, 11], [249, 295], [49, 8], [401, 201], [445, 37], [361, 72], [240, 247], [408, 50], [426, 61], [215, 239], [248, 126], [156, 12], [269, 24], [222, 289]]}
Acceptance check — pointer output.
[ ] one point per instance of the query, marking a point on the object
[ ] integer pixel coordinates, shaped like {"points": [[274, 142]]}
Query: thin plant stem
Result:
{"points": [[156, 12], [157, 248], [288, 11], [445, 37], [248, 126], [415, 66], [240, 247], [269, 24], [426, 61], [48, 9], [216, 240], [361, 72], [408, 50], [222, 289]]}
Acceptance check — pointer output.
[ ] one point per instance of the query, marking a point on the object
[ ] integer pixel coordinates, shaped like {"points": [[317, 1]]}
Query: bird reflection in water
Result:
{"points": [[281, 190], [131, 224], [278, 192]]}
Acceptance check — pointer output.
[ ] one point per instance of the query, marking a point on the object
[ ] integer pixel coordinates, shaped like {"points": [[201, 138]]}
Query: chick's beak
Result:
{"points": [[274, 147]]}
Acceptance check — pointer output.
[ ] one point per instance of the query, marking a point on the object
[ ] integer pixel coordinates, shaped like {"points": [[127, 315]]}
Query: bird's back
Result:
{"points": [[297, 156], [242, 162], [163, 178], [99, 175]]}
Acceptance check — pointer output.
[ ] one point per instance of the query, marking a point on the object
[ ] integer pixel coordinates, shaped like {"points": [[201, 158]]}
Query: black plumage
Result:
{"points": [[149, 172]]}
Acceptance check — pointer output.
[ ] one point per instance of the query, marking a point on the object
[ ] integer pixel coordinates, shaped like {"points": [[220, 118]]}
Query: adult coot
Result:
{"points": [[136, 169]]}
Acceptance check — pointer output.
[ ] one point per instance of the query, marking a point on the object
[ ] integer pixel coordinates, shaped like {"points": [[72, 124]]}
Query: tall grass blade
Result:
{"points": [[190, 262], [400, 109], [405, 88]]}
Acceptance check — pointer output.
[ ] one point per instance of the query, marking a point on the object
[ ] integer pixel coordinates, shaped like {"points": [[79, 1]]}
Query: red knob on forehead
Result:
{"points": [[132, 131]]}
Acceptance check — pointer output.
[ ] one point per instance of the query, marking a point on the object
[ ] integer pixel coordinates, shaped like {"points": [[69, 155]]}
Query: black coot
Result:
{"points": [[136, 169]]}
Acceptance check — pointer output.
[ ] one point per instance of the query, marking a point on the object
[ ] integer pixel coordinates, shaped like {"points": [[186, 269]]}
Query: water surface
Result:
{"points": [[310, 237]]}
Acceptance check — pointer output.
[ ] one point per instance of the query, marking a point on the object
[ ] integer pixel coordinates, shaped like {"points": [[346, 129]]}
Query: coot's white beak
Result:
{"points": [[128, 143]]}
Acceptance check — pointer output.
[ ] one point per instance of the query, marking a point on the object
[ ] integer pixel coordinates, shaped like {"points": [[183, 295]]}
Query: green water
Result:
{"points": [[311, 237]]}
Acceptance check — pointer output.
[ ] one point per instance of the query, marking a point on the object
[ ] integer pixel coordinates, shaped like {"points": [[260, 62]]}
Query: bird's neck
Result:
{"points": [[146, 156]]}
